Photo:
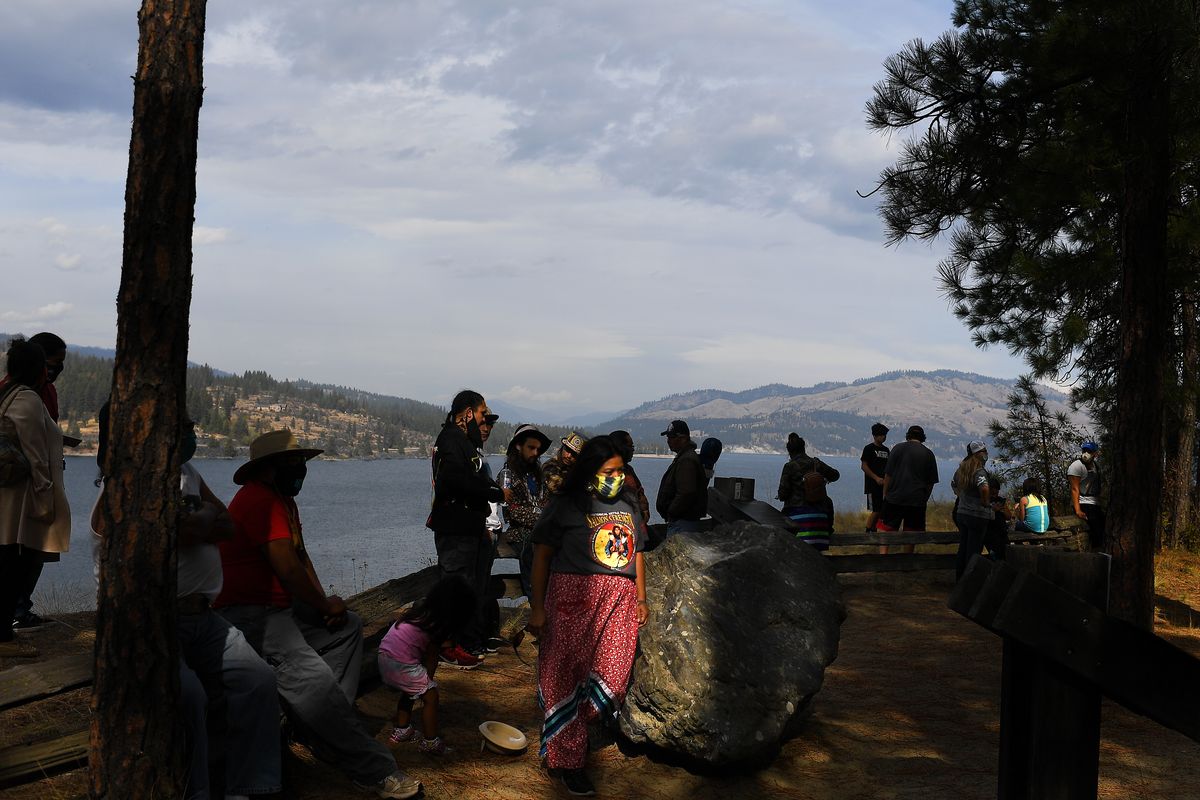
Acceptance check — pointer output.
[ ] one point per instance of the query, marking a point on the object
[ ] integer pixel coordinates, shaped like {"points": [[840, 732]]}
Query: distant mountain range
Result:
{"points": [[836, 418]]}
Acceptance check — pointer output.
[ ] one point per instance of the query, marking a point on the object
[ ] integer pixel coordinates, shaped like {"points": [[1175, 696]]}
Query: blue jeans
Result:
{"points": [[971, 544], [211, 650], [682, 526]]}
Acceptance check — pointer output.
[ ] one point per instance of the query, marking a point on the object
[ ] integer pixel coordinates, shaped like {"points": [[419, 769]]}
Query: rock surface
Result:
{"points": [[744, 620]]}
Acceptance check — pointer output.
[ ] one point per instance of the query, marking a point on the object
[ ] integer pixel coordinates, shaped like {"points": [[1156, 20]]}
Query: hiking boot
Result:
{"points": [[577, 782], [397, 786], [458, 658], [405, 734], [30, 622], [16, 649], [434, 747]]}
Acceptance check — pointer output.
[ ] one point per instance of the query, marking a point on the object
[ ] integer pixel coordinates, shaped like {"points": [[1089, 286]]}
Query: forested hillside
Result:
{"points": [[230, 410]]}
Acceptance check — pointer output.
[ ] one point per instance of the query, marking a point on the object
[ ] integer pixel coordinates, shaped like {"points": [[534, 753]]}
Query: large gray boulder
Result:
{"points": [[744, 620]]}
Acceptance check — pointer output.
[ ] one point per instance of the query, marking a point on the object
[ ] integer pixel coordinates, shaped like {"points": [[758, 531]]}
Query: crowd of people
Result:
{"points": [[257, 626]]}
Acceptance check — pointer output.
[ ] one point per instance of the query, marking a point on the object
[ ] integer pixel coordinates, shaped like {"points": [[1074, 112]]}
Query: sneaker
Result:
{"points": [[479, 652], [405, 734], [495, 643], [16, 649], [577, 782], [31, 622], [396, 786], [434, 747], [458, 658]]}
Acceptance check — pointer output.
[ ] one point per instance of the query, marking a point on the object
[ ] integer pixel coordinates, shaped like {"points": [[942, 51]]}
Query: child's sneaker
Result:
{"points": [[434, 747], [405, 734]]}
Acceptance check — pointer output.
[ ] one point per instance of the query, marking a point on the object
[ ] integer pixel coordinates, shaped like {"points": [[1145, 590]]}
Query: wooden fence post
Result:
{"points": [[1049, 717]]}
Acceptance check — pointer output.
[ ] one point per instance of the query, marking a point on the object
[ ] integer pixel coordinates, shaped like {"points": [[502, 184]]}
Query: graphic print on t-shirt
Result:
{"points": [[613, 542]]}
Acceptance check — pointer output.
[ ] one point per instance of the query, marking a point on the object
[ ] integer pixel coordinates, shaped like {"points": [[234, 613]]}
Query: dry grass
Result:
{"points": [[937, 518]]}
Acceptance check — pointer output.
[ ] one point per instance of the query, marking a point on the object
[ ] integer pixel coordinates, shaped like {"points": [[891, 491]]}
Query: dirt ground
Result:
{"points": [[910, 710]]}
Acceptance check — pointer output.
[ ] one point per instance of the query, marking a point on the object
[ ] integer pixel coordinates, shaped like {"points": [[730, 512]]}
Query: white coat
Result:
{"points": [[35, 514]]}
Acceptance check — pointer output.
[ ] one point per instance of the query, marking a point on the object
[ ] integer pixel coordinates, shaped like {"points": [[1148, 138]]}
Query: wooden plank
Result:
{"points": [[898, 562], [23, 763], [29, 682]]}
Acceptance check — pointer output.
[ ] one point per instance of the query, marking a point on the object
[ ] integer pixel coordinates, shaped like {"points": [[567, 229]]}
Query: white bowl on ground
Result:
{"points": [[503, 739]]}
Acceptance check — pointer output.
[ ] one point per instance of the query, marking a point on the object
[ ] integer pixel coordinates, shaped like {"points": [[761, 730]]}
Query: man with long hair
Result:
{"points": [[524, 509]]}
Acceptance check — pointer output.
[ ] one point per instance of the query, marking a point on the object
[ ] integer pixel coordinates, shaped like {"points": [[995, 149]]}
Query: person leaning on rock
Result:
{"points": [[683, 494], [273, 595]]}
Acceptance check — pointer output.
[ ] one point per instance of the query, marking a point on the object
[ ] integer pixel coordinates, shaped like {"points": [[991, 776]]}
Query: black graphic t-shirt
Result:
{"points": [[601, 541], [876, 456]]}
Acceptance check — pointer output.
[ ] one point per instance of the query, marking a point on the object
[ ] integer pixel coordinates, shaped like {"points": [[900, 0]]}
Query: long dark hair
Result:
{"points": [[465, 399], [446, 610], [26, 363], [1033, 486], [519, 466], [577, 485]]}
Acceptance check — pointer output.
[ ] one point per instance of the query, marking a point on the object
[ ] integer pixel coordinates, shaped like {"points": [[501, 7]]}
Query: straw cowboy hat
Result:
{"points": [[268, 445]]}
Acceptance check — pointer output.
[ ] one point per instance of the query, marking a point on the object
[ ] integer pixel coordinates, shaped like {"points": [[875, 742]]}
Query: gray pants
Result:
{"points": [[317, 670], [214, 652]]}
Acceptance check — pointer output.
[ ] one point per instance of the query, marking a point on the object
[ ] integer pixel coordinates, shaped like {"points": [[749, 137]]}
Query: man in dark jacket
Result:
{"points": [[683, 493], [462, 492]]}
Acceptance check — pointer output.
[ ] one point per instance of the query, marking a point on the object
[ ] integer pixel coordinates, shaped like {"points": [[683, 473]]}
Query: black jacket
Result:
{"points": [[461, 490], [683, 493]]}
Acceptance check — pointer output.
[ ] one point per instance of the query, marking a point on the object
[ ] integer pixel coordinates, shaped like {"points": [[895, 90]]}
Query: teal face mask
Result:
{"points": [[608, 486]]}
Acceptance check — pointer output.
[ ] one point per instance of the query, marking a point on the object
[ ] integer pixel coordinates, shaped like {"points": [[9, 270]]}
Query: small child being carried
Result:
{"points": [[408, 657]]}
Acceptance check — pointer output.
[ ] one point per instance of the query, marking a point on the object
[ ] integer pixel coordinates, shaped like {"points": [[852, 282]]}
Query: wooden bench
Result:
{"points": [[28, 683]]}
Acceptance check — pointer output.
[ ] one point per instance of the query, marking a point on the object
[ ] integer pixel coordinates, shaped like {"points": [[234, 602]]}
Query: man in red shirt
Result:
{"points": [[272, 593]]}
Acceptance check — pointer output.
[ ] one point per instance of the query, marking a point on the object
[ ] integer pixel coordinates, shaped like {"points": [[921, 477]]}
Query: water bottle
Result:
{"points": [[506, 478]]}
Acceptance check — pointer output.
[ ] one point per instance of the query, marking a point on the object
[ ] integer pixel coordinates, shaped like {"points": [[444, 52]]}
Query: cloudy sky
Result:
{"points": [[568, 205]]}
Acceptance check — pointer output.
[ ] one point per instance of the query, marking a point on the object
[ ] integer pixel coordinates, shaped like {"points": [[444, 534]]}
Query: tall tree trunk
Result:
{"points": [[1181, 435], [137, 746], [1146, 313]]}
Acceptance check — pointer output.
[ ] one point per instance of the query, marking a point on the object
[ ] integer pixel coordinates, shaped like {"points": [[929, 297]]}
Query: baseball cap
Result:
{"points": [[491, 418], [976, 447], [677, 428], [1090, 447], [574, 442], [915, 432]]}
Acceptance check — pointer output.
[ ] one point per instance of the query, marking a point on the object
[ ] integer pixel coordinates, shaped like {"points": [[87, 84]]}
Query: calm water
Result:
{"points": [[364, 521]]}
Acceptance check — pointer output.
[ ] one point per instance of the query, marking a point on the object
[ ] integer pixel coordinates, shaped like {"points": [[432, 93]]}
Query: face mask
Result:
{"points": [[289, 479], [187, 446], [608, 486], [474, 434]]}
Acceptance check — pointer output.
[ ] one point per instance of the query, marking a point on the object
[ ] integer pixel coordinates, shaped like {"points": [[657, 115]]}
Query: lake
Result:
{"points": [[364, 521]]}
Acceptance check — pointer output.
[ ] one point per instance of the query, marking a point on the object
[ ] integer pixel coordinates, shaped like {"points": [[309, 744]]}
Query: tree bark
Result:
{"points": [[1136, 452], [1181, 434], [137, 748]]}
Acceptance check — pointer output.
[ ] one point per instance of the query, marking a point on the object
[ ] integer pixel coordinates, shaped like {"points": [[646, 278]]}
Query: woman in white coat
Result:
{"points": [[34, 515]]}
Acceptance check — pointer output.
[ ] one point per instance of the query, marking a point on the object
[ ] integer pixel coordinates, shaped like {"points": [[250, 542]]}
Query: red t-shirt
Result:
{"points": [[260, 515]]}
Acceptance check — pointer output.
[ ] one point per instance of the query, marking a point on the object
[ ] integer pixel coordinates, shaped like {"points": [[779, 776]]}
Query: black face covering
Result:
{"points": [[289, 479], [473, 432]]}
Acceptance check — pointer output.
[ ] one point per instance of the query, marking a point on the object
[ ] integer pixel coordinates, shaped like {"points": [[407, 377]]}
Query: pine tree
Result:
{"points": [[1053, 139]]}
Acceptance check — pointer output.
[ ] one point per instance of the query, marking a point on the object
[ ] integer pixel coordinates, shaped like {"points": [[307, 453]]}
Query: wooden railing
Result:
{"points": [[725, 509], [1062, 654]]}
